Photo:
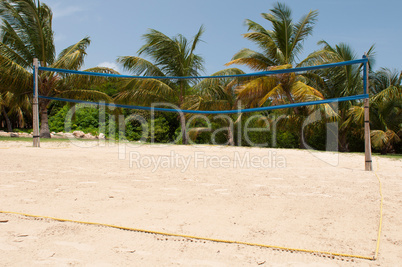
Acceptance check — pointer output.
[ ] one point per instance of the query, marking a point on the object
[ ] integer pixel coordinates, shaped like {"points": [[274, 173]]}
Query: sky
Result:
{"points": [[116, 27]]}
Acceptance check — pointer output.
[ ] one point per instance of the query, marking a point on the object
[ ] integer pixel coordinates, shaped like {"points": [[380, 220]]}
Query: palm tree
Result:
{"points": [[339, 81], [171, 57], [4, 102], [26, 33], [389, 81], [14, 109], [216, 94], [280, 47], [385, 110]]}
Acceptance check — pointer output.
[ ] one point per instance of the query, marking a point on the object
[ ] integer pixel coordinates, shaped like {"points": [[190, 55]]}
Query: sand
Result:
{"points": [[280, 197]]}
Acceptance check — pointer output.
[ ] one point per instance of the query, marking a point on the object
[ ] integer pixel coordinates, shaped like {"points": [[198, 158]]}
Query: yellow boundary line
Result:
{"points": [[381, 205], [222, 240], [191, 237]]}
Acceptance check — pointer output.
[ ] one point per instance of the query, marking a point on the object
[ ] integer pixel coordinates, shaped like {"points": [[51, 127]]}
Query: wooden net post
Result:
{"points": [[367, 139], [35, 103]]}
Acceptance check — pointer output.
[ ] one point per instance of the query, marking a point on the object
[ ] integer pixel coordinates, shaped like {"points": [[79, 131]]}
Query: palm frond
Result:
{"points": [[140, 66], [254, 60], [392, 92], [87, 81], [30, 25], [72, 57], [84, 94], [303, 29], [196, 39], [305, 93], [255, 92], [255, 27], [173, 56], [211, 83], [381, 139], [145, 92], [14, 77], [355, 114]]}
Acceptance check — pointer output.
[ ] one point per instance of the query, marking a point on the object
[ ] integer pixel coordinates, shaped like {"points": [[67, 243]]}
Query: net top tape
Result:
{"points": [[262, 73]]}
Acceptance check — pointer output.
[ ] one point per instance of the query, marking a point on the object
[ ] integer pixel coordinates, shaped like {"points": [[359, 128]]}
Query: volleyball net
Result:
{"points": [[240, 78], [248, 75]]}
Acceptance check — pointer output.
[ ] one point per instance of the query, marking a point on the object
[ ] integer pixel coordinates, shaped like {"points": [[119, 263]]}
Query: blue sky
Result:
{"points": [[116, 27]]}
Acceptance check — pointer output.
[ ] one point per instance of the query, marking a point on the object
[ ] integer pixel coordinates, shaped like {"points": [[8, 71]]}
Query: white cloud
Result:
{"points": [[110, 65]]}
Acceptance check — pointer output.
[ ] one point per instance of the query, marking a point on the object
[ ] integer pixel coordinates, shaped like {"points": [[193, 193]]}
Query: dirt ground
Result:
{"points": [[280, 197]]}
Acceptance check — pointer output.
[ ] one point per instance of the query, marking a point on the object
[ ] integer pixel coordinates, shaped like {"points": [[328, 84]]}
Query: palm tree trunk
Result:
{"points": [[301, 138], [182, 117], [230, 136], [297, 112], [183, 129], [44, 123], [343, 142], [8, 122], [289, 96]]}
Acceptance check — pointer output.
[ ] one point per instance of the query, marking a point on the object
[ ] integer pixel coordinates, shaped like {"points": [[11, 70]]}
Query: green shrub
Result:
{"points": [[85, 119], [286, 140]]}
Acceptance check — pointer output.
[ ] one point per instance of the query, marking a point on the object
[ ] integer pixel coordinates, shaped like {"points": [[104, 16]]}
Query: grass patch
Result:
{"points": [[391, 156]]}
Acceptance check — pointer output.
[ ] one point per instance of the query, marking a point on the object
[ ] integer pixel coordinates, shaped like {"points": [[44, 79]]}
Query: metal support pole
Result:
{"points": [[367, 139], [35, 103]]}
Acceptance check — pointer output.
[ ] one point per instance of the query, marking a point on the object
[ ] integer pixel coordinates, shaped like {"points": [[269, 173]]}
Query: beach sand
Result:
{"points": [[280, 197]]}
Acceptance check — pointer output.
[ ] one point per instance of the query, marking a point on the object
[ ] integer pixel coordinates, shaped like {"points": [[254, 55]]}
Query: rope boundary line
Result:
{"points": [[381, 212], [192, 237]]}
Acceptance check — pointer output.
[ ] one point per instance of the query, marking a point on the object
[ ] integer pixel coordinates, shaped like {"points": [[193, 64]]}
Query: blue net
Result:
{"points": [[364, 60]]}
